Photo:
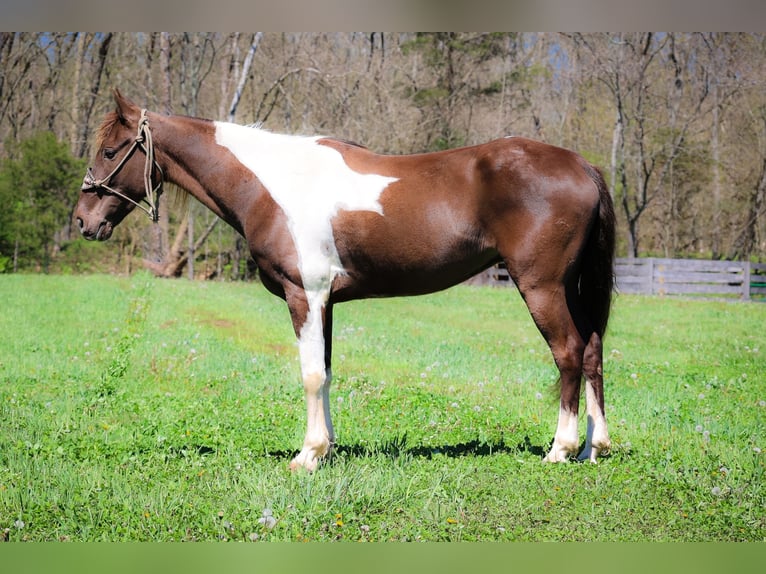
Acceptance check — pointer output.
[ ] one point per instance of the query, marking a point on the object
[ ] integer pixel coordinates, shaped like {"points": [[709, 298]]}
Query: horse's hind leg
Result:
{"points": [[597, 437], [550, 309]]}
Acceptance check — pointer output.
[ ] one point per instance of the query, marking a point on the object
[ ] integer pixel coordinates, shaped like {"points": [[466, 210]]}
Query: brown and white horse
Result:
{"points": [[329, 221]]}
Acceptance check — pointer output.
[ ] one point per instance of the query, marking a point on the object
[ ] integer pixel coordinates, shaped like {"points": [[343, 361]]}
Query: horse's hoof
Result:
{"points": [[304, 460]]}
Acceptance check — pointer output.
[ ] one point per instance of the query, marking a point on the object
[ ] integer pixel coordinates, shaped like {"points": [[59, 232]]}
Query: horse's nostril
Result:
{"points": [[80, 223]]}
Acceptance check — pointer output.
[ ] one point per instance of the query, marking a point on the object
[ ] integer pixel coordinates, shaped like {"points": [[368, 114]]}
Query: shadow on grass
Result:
{"points": [[393, 449], [398, 447]]}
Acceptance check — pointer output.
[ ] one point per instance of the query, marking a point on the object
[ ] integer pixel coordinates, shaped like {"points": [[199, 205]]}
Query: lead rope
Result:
{"points": [[152, 193]]}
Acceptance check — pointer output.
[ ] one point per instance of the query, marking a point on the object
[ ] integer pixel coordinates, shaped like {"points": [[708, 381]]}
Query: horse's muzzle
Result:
{"points": [[101, 233]]}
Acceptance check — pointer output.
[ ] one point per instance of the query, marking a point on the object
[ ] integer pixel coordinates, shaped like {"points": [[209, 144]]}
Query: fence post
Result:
{"points": [[650, 267], [746, 281]]}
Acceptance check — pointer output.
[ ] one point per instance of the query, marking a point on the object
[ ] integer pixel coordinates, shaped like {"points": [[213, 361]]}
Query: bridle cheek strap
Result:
{"points": [[144, 141]]}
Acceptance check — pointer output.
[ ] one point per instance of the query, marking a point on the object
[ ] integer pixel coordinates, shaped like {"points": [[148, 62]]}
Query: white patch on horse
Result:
{"points": [[565, 439], [596, 438], [311, 183]]}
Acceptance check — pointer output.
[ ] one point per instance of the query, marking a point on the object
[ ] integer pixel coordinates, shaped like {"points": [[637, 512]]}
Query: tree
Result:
{"points": [[445, 93], [751, 209], [39, 183], [658, 86]]}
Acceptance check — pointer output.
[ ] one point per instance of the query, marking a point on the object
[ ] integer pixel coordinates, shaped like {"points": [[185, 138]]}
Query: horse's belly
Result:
{"points": [[398, 276]]}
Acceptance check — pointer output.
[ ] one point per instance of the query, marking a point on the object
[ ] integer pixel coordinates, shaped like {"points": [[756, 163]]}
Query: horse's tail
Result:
{"points": [[597, 269]]}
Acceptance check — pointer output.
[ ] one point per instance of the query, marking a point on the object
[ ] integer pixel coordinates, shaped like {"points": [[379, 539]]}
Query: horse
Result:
{"points": [[327, 221]]}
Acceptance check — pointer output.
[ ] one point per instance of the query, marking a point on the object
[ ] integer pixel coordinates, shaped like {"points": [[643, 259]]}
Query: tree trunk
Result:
{"points": [[716, 151], [236, 259], [103, 51], [190, 246], [256, 40], [177, 259], [75, 110], [616, 141], [165, 71]]}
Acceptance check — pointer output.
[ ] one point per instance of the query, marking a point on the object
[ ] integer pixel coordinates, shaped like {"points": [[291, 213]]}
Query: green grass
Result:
{"points": [[141, 409]]}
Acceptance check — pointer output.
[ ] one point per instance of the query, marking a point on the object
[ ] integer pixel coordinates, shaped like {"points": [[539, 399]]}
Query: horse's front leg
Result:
{"points": [[313, 326]]}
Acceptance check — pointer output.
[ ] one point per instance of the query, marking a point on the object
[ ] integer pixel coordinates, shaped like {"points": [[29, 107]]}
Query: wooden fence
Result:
{"points": [[673, 277]]}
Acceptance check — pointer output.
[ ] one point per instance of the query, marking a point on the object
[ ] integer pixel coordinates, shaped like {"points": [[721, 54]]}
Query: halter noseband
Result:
{"points": [[144, 141]]}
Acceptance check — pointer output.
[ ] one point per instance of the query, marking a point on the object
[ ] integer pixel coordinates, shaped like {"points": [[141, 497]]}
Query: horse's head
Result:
{"points": [[123, 175]]}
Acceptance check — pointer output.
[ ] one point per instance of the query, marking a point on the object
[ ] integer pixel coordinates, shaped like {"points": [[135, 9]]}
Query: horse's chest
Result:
{"points": [[310, 183]]}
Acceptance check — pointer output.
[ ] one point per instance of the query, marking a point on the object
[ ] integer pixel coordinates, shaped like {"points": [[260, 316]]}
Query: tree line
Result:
{"points": [[677, 122]]}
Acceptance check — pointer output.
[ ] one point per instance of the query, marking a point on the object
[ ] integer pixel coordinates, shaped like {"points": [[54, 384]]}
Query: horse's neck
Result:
{"points": [[193, 163]]}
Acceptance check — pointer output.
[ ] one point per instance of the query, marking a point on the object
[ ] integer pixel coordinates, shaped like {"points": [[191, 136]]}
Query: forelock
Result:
{"points": [[105, 128]]}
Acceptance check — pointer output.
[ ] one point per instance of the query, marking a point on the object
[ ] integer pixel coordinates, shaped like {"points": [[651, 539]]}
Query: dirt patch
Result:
{"points": [[211, 319]]}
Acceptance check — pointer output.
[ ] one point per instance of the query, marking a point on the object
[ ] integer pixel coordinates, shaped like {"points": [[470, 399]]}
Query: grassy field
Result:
{"points": [[141, 409]]}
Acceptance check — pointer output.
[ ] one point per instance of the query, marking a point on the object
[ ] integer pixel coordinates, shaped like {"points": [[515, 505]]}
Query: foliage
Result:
{"points": [[39, 182], [442, 407]]}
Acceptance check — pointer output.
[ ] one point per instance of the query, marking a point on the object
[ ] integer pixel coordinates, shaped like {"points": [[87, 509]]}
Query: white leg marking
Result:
{"points": [[597, 438], [566, 438], [316, 385]]}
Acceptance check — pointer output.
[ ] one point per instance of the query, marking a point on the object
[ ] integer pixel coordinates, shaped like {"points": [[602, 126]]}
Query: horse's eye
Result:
{"points": [[109, 153]]}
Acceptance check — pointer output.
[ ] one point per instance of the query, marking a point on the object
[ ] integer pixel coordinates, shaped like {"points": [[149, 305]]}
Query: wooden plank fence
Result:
{"points": [[673, 277]]}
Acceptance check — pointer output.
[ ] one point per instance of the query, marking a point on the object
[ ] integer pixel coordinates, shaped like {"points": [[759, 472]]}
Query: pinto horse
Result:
{"points": [[328, 221]]}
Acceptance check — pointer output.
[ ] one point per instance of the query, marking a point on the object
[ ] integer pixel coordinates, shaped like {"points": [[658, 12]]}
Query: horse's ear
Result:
{"points": [[127, 111]]}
